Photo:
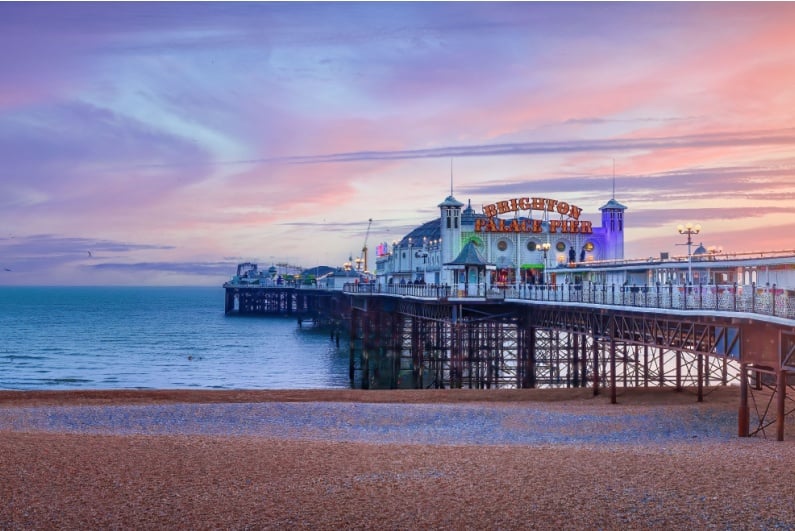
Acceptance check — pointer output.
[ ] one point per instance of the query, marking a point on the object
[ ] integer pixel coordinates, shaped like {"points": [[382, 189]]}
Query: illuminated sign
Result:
{"points": [[492, 223]]}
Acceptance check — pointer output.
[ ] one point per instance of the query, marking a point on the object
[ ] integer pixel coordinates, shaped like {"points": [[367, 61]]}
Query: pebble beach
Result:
{"points": [[346, 459]]}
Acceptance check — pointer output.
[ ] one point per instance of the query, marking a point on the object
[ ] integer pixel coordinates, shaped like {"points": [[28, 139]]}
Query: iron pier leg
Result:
{"points": [[743, 418], [678, 370], [365, 354], [613, 395], [352, 349], [625, 362], [700, 385], [583, 361], [575, 346], [595, 365], [416, 354], [781, 412], [531, 358]]}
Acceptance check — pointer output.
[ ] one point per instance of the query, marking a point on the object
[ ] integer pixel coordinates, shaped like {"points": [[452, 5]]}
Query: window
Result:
{"points": [[531, 246], [560, 246], [502, 245]]}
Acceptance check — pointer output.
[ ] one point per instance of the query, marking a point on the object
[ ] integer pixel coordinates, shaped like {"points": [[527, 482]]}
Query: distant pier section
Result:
{"points": [[286, 291]]}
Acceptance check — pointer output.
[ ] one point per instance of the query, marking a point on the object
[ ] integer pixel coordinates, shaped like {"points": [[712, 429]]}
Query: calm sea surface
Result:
{"points": [[156, 338]]}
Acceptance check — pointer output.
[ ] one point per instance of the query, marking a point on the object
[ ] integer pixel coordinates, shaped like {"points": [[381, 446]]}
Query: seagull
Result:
{"points": [[7, 269], [89, 254]]}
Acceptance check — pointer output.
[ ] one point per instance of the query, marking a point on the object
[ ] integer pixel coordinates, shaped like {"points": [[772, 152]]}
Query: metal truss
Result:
{"points": [[422, 344], [770, 402]]}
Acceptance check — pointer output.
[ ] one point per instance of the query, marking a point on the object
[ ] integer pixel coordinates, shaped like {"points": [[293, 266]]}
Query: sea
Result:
{"points": [[56, 338]]}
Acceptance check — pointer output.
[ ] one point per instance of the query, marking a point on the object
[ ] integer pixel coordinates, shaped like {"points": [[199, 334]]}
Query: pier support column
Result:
{"points": [[530, 361], [781, 396], [700, 384], [583, 360], [352, 349], [229, 301], [397, 347], [678, 370], [613, 394], [595, 365], [365, 355], [743, 415], [456, 353], [575, 346], [417, 349]]}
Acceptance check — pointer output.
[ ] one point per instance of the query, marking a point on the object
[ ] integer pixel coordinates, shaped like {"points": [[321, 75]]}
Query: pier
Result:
{"points": [[603, 337], [542, 298]]}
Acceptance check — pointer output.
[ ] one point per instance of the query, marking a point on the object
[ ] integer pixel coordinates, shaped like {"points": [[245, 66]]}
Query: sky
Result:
{"points": [[161, 144]]}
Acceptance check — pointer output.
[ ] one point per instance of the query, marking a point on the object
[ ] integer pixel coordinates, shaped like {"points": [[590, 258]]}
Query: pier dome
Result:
{"points": [[429, 230]]}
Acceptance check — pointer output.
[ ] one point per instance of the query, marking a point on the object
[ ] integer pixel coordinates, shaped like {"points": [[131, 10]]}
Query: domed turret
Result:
{"points": [[450, 230], [613, 226]]}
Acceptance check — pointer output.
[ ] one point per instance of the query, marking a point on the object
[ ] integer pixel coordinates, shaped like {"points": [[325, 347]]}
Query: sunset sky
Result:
{"points": [[151, 143]]}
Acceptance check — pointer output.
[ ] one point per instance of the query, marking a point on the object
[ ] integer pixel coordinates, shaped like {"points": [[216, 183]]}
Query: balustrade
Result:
{"points": [[767, 300]]}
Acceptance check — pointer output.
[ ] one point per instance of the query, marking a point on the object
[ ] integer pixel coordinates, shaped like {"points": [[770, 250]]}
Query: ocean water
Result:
{"points": [[155, 338]]}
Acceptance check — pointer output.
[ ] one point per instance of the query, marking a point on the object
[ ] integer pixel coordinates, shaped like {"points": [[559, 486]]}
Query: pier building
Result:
{"points": [[527, 241], [521, 240]]}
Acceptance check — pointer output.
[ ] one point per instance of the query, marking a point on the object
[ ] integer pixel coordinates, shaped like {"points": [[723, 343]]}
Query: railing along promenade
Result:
{"points": [[762, 300], [705, 260]]}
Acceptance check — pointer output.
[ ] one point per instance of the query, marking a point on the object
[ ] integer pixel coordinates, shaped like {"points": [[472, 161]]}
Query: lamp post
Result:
{"points": [[411, 263], [545, 247], [517, 273], [690, 230], [424, 255]]}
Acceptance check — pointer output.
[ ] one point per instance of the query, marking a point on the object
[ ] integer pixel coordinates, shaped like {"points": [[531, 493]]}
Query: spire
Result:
{"points": [[614, 179], [451, 177], [613, 204], [451, 201]]}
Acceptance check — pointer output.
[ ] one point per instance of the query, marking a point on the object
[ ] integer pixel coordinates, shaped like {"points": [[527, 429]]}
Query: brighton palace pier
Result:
{"points": [[528, 294]]}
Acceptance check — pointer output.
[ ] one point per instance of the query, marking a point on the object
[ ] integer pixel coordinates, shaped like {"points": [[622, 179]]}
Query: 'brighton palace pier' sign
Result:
{"points": [[565, 226]]}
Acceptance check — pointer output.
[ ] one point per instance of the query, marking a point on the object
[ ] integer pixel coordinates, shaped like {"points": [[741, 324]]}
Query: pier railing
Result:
{"points": [[765, 300], [423, 291]]}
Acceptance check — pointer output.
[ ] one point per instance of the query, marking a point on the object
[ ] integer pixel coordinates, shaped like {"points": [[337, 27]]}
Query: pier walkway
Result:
{"points": [[768, 301]]}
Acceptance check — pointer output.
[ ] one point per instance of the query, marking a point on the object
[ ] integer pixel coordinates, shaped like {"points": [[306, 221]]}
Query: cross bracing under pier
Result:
{"points": [[483, 344]]}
